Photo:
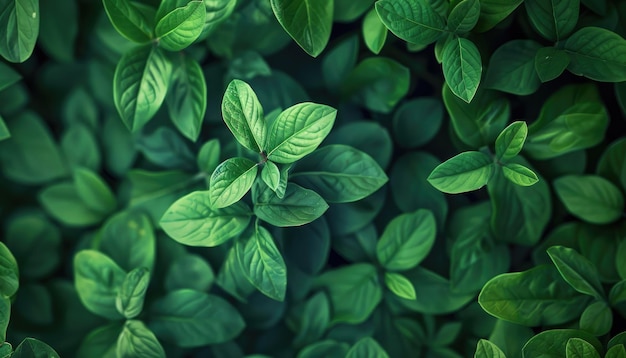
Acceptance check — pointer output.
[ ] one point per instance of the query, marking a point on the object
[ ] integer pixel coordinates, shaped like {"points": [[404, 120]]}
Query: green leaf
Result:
{"points": [[598, 54], [231, 180], [464, 16], [400, 285], [187, 98], [462, 67], [464, 172], [177, 26], [209, 156], [93, 191], [191, 218], [189, 271], [130, 297], [415, 22], [519, 174], [511, 140], [34, 303], [512, 68], [550, 62], [494, 11], [339, 61], [98, 280], [80, 147], [63, 202], [553, 19], [577, 271], [59, 29], [339, 173], [6, 350], [136, 340], [349, 11], [326, 348], [20, 19], [298, 206], [217, 11], [190, 318], [617, 351], [271, 175], [597, 318], [314, 319], [353, 290], [534, 297], [486, 349], [5, 315], [9, 278], [128, 20], [590, 197], [243, 114], [232, 278], [128, 238], [366, 347], [8, 76], [139, 85], [4, 131], [374, 32], [298, 131], [579, 348], [411, 131], [32, 347], [166, 148], [553, 343], [263, 264], [308, 22], [407, 240], [101, 342]]}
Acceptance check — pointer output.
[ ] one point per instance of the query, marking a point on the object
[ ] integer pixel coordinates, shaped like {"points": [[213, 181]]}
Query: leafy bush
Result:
{"points": [[312, 178]]}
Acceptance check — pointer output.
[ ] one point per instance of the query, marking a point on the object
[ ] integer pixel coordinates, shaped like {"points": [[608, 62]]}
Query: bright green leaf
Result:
{"points": [[400, 285], [579, 348], [177, 27], [128, 20], [231, 180], [590, 197], [136, 340], [5, 315], [519, 174], [94, 191], [486, 349], [374, 32], [577, 270], [131, 294], [270, 175], [598, 54], [243, 115], [462, 67], [98, 280], [510, 142], [413, 21], [9, 274], [19, 20], [464, 172], [187, 98], [298, 206], [308, 22]]}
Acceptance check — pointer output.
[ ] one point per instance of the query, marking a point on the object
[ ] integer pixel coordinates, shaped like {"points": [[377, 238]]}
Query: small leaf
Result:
{"points": [[270, 175], [579, 348], [511, 140], [366, 347], [550, 63], [231, 180], [464, 16], [243, 115], [128, 238], [554, 342], [512, 68], [298, 131], [462, 173], [494, 11], [62, 202], [187, 98], [19, 20], [590, 197], [93, 191], [191, 220], [597, 318], [486, 349], [190, 318], [189, 271], [136, 340], [462, 67], [577, 270], [400, 285], [32, 347], [412, 21], [598, 54], [9, 278], [263, 264], [128, 20], [139, 85], [314, 319], [299, 206], [209, 156], [308, 22], [407, 240], [98, 279], [553, 19], [374, 32], [130, 297], [519, 174], [178, 27]]}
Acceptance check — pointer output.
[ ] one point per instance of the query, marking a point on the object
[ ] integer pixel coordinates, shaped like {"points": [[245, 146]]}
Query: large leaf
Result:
{"points": [[339, 173], [9, 280], [136, 340], [190, 318], [178, 27], [97, 280], [462, 173], [554, 19], [577, 270], [297, 207], [128, 20], [263, 264], [308, 22], [298, 131], [231, 180], [462, 67], [191, 220], [139, 85], [538, 296], [598, 54], [407, 240], [590, 197], [243, 114], [413, 21], [19, 20], [187, 98], [512, 68]]}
